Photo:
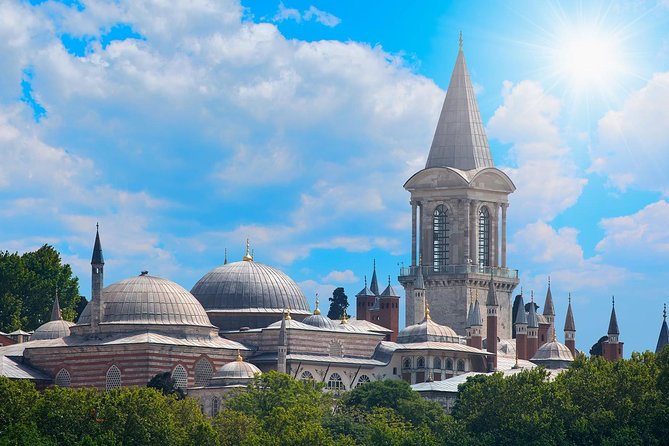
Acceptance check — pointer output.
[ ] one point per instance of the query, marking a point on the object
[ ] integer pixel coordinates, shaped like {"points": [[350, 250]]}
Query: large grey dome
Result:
{"points": [[149, 300]]}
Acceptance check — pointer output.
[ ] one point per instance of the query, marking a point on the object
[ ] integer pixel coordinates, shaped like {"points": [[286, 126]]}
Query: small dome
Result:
{"points": [[235, 372], [149, 300], [553, 351], [428, 330], [52, 330], [320, 321]]}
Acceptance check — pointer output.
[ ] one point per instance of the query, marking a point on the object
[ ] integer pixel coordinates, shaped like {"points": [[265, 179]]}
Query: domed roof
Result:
{"points": [[52, 330], [553, 351], [249, 286], [149, 300], [236, 372], [320, 321], [428, 330]]}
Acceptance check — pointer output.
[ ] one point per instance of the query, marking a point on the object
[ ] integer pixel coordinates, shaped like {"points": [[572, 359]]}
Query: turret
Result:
{"points": [[570, 330], [546, 328], [521, 330], [419, 298], [532, 329], [492, 306], [476, 328], [613, 348], [663, 339], [468, 326], [97, 281], [389, 311]]}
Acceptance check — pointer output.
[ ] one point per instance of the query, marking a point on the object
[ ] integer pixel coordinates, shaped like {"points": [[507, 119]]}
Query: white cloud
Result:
{"points": [[346, 276], [639, 236], [313, 13], [633, 141]]}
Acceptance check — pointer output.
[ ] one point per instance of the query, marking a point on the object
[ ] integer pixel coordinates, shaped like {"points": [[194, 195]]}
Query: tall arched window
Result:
{"points": [[449, 364], [180, 377], [436, 364], [406, 363], [364, 379], [420, 362], [63, 378], [203, 372], [215, 406], [113, 378], [440, 235], [336, 383], [461, 365], [484, 237]]}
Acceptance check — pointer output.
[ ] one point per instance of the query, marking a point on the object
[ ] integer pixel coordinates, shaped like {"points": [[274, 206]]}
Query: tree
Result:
{"points": [[338, 304], [596, 349], [28, 285], [164, 383]]}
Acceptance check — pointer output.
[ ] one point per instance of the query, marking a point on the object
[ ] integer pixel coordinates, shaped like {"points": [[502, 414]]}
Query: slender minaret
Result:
{"points": [[476, 328], [521, 330], [419, 293], [613, 346], [663, 339], [570, 330], [282, 349], [532, 329], [546, 330], [97, 281], [492, 305]]}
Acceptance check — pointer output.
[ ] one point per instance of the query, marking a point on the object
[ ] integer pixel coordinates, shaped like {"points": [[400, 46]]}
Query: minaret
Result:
{"points": [[282, 349], [521, 330], [476, 326], [570, 330], [97, 282], [532, 329], [492, 305], [418, 292], [468, 327], [546, 330], [458, 216], [663, 339], [613, 347]]}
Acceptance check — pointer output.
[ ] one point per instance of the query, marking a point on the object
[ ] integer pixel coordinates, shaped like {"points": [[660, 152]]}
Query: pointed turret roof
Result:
{"points": [[389, 291], [420, 282], [374, 286], [664, 333], [460, 140], [532, 321], [365, 292], [521, 316], [549, 309], [476, 320], [491, 300], [613, 322], [470, 311], [55, 311], [569, 324], [97, 258]]}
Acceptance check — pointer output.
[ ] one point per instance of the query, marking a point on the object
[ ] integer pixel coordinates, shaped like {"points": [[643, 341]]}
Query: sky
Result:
{"points": [[185, 127]]}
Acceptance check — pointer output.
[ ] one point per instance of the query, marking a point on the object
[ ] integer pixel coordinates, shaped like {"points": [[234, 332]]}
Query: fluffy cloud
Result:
{"points": [[346, 276], [313, 13], [633, 141]]}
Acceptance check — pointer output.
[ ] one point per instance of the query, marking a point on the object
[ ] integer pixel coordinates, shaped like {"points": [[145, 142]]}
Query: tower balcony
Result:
{"points": [[407, 273]]}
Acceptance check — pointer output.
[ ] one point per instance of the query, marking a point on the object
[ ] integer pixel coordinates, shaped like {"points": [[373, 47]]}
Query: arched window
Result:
{"points": [[335, 383], [461, 365], [420, 362], [203, 372], [215, 406], [484, 237], [63, 378], [113, 378], [306, 375], [364, 379], [449, 364], [180, 377], [440, 236], [437, 363], [406, 363]]}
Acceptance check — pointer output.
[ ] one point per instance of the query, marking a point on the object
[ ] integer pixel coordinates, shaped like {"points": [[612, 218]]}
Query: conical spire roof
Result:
{"points": [[491, 300], [55, 311], [97, 258], [460, 140], [663, 339], [569, 324], [365, 292], [521, 316], [389, 291], [613, 322], [374, 286], [420, 282], [549, 309], [476, 320], [470, 311], [532, 321]]}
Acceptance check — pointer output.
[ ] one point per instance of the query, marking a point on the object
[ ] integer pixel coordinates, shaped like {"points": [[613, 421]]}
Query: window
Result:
{"points": [[461, 365], [113, 378], [180, 377], [215, 406], [63, 378], [335, 383], [449, 364], [440, 236], [437, 363], [420, 363], [203, 372], [484, 237], [306, 375], [364, 379], [406, 363]]}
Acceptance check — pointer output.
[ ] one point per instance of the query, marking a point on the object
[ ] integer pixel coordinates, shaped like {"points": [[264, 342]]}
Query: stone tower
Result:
{"points": [[458, 208], [97, 282]]}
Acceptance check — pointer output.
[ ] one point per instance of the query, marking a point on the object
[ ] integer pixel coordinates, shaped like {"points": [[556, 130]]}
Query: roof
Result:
{"points": [[663, 339], [374, 285], [249, 285], [475, 319], [553, 351], [13, 369], [469, 314], [491, 299], [52, 330], [549, 309], [19, 333], [532, 320], [459, 139], [569, 324], [613, 322], [320, 359], [420, 282], [238, 369], [320, 321], [427, 330], [521, 315], [389, 291], [97, 257], [367, 325], [434, 345]]}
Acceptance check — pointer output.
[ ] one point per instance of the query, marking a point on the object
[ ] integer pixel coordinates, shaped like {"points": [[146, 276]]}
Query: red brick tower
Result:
{"points": [[521, 330], [613, 348], [389, 311], [532, 329]]}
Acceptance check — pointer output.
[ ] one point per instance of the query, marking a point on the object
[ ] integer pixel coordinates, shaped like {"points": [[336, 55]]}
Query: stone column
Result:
{"points": [[504, 206], [421, 233], [465, 240], [473, 248], [413, 233], [495, 237]]}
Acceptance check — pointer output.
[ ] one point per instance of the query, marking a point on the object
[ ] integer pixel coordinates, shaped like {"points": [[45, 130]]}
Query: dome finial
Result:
{"points": [[225, 256], [665, 312], [427, 311], [288, 316], [239, 356], [570, 297], [317, 311], [460, 40], [248, 257], [549, 281]]}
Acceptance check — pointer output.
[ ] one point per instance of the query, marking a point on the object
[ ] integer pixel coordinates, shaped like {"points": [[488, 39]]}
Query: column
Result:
{"points": [[495, 237], [413, 233], [504, 206], [421, 238], [466, 234], [473, 248]]}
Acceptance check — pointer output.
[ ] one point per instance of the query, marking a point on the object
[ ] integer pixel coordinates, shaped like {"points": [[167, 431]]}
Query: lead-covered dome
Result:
{"points": [[248, 294], [52, 330], [236, 372], [553, 355], [427, 331]]}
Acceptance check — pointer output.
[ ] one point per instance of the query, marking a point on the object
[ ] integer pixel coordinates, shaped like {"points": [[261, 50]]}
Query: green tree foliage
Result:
{"points": [[164, 383], [28, 285], [338, 304]]}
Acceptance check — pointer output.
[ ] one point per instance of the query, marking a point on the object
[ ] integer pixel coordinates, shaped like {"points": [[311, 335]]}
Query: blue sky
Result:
{"points": [[184, 128]]}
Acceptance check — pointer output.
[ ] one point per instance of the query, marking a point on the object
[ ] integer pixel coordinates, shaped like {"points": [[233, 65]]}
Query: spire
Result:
{"points": [[476, 320], [97, 258], [549, 309], [470, 311], [55, 311], [532, 321], [521, 316], [389, 291], [374, 287], [492, 294], [420, 282], [460, 140], [366, 292], [569, 324], [663, 339], [613, 322], [247, 257]]}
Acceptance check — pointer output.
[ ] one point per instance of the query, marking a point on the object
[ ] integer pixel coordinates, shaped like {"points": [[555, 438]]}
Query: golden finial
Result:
{"points": [[239, 356], [288, 317], [317, 311], [460, 41], [554, 337], [344, 318], [427, 311], [247, 257]]}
